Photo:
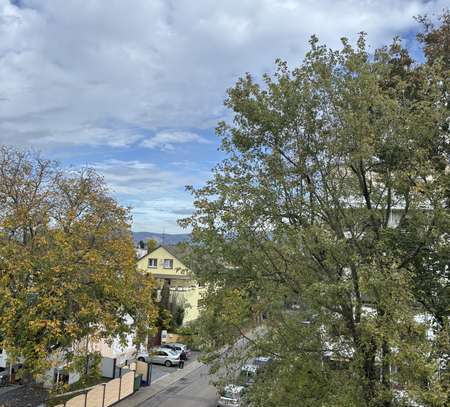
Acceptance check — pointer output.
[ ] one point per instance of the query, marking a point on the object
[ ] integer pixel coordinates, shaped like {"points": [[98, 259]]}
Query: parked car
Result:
{"points": [[178, 347], [161, 356], [247, 375], [11, 377], [401, 396], [4, 378], [262, 361], [231, 396]]}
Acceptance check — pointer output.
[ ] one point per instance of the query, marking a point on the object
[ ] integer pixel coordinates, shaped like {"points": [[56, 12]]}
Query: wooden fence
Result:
{"points": [[107, 394]]}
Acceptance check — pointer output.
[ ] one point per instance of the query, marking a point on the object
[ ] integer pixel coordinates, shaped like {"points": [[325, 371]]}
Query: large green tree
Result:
{"points": [[67, 262], [333, 197]]}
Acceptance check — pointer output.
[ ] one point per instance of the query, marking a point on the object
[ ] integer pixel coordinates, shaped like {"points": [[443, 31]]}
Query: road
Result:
{"points": [[160, 371], [192, 390]]}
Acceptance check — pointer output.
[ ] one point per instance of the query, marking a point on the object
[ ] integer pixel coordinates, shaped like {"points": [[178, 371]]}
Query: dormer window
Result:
{"points": [[168, 263], [152, 263]]}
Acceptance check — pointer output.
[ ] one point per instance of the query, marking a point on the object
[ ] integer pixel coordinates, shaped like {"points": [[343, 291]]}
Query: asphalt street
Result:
{"points": [[160, 371], [192, 390]]}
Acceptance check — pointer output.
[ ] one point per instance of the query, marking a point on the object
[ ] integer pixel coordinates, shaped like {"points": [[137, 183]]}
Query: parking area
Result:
{"points": [[160, 371]]}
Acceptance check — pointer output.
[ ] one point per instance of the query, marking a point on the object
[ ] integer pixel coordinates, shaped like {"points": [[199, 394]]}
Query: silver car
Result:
{"points": [[178, 347], [161, 356]]}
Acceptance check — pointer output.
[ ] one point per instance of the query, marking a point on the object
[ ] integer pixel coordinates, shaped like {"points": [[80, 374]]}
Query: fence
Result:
{"points": [[128, 380]]}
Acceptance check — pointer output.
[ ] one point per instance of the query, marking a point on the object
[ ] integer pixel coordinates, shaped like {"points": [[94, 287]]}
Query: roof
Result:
{"points": [[172, 250]]}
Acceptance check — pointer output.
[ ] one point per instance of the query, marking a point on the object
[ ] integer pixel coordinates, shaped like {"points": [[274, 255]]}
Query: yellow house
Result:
{"points": [[163, 264]]}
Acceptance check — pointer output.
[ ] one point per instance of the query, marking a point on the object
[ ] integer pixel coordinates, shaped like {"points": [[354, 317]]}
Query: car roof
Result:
{"points": [[233, 388], [160, 348], [249, 368], [263, 359]]}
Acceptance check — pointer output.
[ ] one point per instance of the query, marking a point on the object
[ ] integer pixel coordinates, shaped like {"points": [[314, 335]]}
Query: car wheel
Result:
{"points": [[168, 363], [141, 359]]}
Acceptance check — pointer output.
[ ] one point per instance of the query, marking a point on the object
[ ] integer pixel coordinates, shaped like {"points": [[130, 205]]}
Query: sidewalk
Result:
{"points": [[145, 393]]}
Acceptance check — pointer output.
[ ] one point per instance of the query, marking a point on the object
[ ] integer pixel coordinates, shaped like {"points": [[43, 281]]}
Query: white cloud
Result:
{"points": [[142, 179], [99, 73], [157, 196], [161, 215], [83, 72], [91, 136], [167, 139]]}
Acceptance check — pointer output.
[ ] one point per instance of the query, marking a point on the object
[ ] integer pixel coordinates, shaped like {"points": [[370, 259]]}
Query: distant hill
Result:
{"points": [[169, 239]]}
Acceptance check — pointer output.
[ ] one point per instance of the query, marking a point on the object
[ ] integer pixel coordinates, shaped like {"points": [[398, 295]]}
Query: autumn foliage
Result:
{"points": [[67, 262]]}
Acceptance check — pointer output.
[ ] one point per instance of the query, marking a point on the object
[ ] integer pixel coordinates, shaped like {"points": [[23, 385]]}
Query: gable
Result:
{"points": [[161, 254]]}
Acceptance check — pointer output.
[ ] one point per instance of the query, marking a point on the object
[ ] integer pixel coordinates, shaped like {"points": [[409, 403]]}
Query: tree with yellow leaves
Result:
{"points": [[67, 262]]}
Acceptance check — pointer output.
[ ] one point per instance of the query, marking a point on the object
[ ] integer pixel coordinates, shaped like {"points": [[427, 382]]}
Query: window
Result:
{"points": [[168, 263], [152, 263]]}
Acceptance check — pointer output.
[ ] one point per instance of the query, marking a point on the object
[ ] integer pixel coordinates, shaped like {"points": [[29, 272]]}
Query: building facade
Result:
{"points": [[166, 268]]}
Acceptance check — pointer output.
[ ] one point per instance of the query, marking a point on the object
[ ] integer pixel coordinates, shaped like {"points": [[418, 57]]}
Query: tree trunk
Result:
{"points": [[385, 370], [368, 351]]}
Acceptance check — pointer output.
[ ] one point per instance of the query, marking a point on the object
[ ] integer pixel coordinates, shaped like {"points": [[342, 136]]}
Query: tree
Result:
{"points": [[67, 265], [431, 267], [436, 40], [329, 194], [164, 316], [178, 315], [152, 244]]}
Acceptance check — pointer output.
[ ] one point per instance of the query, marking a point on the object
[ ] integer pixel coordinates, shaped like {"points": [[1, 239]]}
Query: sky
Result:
{"points": [[136, 88]]}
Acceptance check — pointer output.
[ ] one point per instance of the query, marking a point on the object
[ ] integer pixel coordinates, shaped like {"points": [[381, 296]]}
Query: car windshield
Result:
{"points": [[230, 395]]}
